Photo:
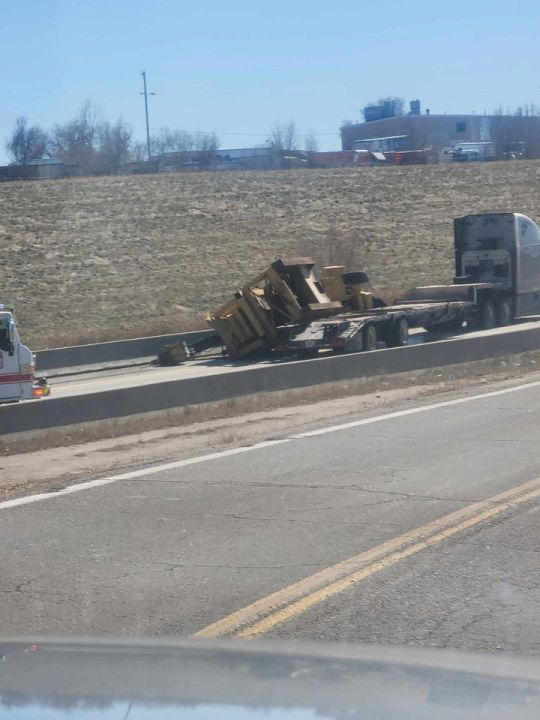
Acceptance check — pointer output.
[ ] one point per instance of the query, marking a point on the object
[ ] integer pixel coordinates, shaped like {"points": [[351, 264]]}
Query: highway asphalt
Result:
{"points": [[176, 550], [138, 376]]}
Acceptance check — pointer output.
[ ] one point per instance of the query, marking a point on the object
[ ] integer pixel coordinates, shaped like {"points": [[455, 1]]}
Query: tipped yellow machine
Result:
{"points": [[347, 287], [286, 292]]}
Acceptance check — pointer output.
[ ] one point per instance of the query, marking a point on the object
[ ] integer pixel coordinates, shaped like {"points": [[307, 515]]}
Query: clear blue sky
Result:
{"points": [[236, 67]]}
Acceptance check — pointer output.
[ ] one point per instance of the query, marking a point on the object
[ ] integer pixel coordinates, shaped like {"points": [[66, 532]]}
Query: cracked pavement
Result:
{"points": [[174, 551], [479, 591]]}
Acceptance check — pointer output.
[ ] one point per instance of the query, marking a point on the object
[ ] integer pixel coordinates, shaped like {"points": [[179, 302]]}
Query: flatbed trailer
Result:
{"points": [[353, 332]]}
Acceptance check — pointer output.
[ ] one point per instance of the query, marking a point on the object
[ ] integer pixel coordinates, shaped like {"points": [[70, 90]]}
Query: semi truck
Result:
{"points": [[497, 278], [18, 380], [288, 308]]}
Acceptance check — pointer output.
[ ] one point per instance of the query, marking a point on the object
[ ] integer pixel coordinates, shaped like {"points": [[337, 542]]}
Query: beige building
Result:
{"points": [[417, 132]]}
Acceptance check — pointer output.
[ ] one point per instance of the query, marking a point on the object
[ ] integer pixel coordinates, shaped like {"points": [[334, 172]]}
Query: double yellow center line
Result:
{"points": [[283, 605]]}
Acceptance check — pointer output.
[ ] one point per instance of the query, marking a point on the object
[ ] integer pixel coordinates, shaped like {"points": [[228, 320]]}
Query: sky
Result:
{"points": [[237, 67]]}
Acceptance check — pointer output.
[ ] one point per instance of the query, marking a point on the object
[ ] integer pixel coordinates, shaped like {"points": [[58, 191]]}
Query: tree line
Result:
{"points": [[90, 145]]}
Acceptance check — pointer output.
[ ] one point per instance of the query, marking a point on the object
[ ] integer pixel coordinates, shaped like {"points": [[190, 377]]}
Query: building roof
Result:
{"points": [[386, 137], [244, 152], [46, 161], [463, 116]]}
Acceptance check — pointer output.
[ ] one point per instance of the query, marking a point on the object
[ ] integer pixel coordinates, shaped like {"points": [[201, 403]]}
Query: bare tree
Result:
{"points": [[113, 145], [26, 144], [74, 142], [530, 110], [525, 110], [206, 145], [182, 141], [284, 136], [138, 151], [171, 141], [183, 144], [290, 137], [310, 142]]}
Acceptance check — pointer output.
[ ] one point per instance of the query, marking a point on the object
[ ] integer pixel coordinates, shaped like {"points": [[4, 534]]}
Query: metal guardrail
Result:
{"points": [[57, 412]]}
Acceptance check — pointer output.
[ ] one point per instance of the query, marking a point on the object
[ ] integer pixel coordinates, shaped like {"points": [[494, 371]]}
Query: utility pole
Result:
{"points": [[146, 94]]}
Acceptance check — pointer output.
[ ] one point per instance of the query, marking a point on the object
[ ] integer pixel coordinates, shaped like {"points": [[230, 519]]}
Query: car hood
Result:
{"points": [[204, 680]]}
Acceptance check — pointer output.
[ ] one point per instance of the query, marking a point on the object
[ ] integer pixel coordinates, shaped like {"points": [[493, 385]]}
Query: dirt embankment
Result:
{"points": [[99, 258]]}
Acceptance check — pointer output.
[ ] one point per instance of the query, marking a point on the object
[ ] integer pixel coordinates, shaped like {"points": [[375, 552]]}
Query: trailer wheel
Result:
{"points": [[369, 337], [505, 311], [398, 333]]}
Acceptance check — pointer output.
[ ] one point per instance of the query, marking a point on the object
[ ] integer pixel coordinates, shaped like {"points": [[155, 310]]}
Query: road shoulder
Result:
{"points": [[50, 468]]}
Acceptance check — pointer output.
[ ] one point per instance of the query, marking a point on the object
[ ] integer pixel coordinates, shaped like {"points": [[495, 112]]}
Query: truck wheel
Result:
{"points": [[369, 337], [398, 335], [445, 327], [485, 317], [505, 311], [488, 315], [307, 353]]}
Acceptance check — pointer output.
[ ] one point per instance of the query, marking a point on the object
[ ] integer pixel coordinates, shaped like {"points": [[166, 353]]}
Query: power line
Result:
{"points": [[206, 132], [247, 134]]}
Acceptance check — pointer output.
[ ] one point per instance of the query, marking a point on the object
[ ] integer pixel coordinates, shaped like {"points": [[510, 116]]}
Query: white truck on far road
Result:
{"points": [[17, 365]]}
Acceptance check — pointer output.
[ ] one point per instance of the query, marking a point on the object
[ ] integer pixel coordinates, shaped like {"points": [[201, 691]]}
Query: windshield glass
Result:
{"points": [[273, 372]]}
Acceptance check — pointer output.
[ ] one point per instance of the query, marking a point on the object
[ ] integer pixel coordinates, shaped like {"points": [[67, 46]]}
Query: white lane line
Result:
{"points": [[154, 469], [411, 411]]}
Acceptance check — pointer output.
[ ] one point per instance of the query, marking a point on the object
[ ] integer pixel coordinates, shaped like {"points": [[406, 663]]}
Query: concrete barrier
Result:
{"points": [[56, 412], [108, 352]]}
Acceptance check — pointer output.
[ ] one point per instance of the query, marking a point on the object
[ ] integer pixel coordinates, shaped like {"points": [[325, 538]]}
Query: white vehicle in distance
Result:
{"points": [[17, 364]]}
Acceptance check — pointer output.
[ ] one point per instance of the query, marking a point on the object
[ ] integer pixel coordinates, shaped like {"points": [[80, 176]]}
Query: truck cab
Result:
{"points": [[17, 364], [501, 250]]}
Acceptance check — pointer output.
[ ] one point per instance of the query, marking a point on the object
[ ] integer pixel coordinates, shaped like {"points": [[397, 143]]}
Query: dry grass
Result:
{"points": [[94, 259], [86, 335]]}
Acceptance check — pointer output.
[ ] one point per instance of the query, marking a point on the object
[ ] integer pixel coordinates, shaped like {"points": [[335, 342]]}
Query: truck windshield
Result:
{"points": [[494, 232], [4, 332]]}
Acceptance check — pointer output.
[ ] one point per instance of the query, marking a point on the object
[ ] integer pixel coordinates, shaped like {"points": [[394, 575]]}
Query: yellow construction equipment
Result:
{"points": [[347, 287], [286, 292]]}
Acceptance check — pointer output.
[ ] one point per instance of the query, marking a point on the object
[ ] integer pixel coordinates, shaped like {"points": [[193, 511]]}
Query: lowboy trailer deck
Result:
{"points": [[355, 332]]}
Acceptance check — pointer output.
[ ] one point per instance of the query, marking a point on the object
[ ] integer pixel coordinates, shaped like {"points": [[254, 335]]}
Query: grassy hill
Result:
{"points": [[98, 258]]}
